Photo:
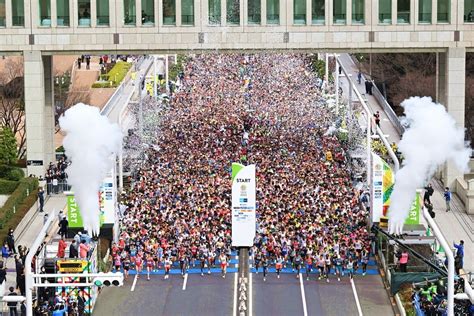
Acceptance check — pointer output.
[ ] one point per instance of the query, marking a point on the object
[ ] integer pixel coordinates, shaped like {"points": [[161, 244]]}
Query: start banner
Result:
{"points": [[243, 205]]}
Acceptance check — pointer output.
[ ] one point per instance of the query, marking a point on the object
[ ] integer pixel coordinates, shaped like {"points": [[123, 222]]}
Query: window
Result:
{"points": [[84, 12], [424, 11], [103, 15], [273, 11], [148, 12], [187, 12], [469, 11], [214, 11], [129, 12], [444, 11], [358, 16], [44, 12], [18, 13], [318, 12], [385, 11], [169, 12], [233, 12], [62, 12], [339, 7], [299, 12], [254, 12], [2, 13], [403, 11]]}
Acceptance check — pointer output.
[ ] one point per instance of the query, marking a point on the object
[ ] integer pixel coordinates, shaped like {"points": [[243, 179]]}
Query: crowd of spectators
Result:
{"points": [[264, 109], [55, 179]]}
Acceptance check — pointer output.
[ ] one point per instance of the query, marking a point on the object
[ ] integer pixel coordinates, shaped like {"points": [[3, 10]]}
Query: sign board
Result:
{"points": [[72, 266], [107, 197], [243, 205], [34, 162], [73, 213]]}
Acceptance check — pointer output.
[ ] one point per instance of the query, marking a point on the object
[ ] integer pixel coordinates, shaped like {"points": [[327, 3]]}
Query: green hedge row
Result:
{"points": [[16, 202], [11, 173], [115, 75], [7, 186]]}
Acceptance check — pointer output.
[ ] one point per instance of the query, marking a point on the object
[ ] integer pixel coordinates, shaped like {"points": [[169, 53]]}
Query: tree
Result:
{"points": [[12, 106], [8, 150]]}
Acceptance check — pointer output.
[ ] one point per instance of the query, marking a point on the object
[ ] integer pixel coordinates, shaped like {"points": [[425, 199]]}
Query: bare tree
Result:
{"points": [[12, 106]]}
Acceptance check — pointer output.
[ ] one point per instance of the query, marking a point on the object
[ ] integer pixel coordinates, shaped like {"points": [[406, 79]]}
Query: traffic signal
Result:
{"points": [[108, 279]]}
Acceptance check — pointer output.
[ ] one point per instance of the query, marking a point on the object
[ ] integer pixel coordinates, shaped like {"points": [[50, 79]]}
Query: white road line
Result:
{"points": [[303, 296], [250, 295], [134, 283], [235, 294], [185, 281], [359, 309]]}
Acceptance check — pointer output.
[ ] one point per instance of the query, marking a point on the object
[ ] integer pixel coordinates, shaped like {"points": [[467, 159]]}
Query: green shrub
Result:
{"points": [[8, 186], [17, 198], [11, 173], [115, 75]]}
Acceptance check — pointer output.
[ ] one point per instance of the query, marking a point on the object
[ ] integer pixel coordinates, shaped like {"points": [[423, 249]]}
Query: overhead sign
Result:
{"points": [[72, 266], [243, 205]]}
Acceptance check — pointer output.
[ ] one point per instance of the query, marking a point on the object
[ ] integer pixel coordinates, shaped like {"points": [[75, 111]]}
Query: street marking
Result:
{"points": [[250, 295], [359, 309], [303, 296], [235, 295], [185, 281], [134, 283]]}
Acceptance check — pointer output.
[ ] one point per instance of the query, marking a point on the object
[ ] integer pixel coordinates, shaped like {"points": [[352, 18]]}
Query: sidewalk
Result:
{"points": [[455, 225], [26, 235]]}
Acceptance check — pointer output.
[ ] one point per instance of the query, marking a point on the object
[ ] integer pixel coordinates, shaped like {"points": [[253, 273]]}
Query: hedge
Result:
{"points": [[11, 173], [20, 201], [7, 186], [115, 75]]}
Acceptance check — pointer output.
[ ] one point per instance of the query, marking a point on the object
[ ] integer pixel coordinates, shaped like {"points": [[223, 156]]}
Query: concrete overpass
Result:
{"points": [[39, 29]]}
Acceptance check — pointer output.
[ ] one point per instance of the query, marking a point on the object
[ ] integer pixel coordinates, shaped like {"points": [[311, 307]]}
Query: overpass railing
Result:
{"points": [[388, 110]]}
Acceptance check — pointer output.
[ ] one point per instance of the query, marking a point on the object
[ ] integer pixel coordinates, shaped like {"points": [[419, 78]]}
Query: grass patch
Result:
{"points": [[114, 77]]}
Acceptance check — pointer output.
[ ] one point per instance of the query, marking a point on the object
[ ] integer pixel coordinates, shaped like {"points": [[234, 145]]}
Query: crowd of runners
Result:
{"points": [[265, 109]]}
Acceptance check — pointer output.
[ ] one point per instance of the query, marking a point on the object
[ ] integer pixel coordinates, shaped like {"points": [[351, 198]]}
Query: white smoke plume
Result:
{"points": [[89, 143], [431, 139]]}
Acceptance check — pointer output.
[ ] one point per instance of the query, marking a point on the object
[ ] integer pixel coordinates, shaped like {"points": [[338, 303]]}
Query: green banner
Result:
{"points": [[414, 215], [73, 214]]}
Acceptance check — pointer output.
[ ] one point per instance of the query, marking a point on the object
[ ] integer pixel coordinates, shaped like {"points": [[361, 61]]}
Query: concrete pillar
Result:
{"points": [[452, 83], [39, 111]]}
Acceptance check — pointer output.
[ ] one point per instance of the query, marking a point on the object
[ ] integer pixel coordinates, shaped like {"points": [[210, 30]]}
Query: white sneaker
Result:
{"points": [[363, 273], [339, 279], [202, 274], [327, 280], [278, 276], [208, 272], [307, 279], [264, 279]]}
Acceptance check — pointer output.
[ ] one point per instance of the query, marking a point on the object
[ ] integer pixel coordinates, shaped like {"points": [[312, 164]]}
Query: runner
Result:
{"points": [[223, 261], [350, 268], [338, 264], [149, 265], [183, 263], [309, 265], [138, 264], [321, 267], [126, 266], [202, 260], [298, 261], [265, 268], [365, 261], [279, 265], [168, 264]]}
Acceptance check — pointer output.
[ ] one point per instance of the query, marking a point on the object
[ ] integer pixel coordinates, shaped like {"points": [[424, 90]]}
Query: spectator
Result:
{"points": [[83, 250], [11, 241], [447, 198], [63, 227], [62, 248], [73, 250], [41, 199], [428, 193], [460, 252], [12, 306], [3, 274]]}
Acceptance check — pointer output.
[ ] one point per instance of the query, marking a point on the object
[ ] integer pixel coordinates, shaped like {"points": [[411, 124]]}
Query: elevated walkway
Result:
{"points": [[455, 225]]}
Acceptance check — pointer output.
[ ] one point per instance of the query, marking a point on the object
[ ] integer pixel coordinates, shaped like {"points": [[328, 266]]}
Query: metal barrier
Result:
{"points": [[61, 187], [388, 110]]}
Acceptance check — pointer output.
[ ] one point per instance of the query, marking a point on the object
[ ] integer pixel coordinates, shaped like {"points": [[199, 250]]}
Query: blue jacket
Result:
{"points": [[5, 252], [447, 196], [460, 250]]}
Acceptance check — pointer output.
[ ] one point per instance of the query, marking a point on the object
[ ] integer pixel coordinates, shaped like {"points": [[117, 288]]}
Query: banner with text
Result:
{"points": [[243, 205]]}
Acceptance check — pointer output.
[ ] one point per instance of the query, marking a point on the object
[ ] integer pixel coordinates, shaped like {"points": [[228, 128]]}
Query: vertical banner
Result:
{"points": [[73, 214], [377, 187], [243, 205]]}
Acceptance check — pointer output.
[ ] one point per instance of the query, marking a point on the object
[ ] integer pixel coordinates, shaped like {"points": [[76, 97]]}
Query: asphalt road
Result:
{"points": [[208, 295]]}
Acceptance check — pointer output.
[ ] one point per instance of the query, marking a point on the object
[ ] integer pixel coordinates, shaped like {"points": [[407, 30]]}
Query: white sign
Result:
{"points": [[377, 188], [243, 205]]}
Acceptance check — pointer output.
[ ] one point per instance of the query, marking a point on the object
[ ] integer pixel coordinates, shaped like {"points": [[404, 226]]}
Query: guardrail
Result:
{"points": [[388, 110]]}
